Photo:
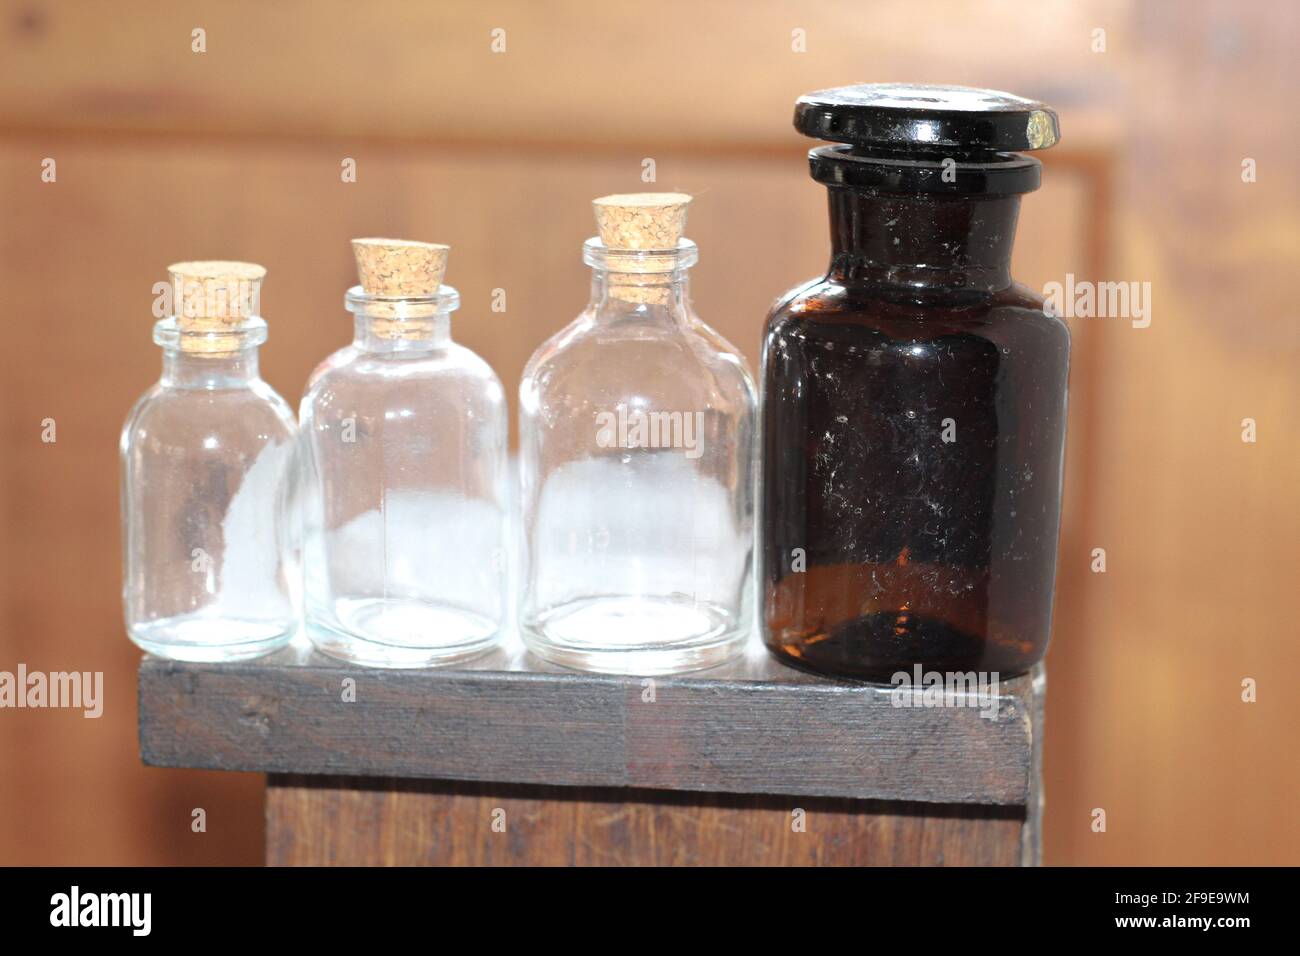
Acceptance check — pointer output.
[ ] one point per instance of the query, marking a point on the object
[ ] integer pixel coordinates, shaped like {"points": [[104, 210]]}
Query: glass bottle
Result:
{"points": [[636, 433], [914, 398], [210, 564], [403, 456]]}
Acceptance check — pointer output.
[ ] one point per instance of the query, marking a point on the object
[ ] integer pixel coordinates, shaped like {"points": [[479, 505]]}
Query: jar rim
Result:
{"points": [[599, 256], [360, 302], [252, 331]]}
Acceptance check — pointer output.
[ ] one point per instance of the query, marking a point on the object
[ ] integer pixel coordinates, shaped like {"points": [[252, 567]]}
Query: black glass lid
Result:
{"points": [[919, 118]]}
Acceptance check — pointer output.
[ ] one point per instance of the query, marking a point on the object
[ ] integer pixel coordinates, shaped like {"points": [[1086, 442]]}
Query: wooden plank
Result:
{"points": [[753, 727], [704, 74], [330, 821]]}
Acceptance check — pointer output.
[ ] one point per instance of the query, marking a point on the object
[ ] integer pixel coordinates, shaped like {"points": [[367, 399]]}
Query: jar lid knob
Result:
{"points": [[920, 117]]}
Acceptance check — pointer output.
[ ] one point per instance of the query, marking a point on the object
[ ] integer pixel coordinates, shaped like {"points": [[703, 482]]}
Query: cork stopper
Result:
{"points": [[214, 296], [641, 221], [400, 268], [640, 233]]}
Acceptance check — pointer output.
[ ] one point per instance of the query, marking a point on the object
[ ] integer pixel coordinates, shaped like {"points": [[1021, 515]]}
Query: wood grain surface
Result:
{"points": [[326, 821], [753, 727]]}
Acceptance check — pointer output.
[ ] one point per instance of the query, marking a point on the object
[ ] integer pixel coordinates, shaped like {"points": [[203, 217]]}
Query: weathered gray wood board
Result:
{"points": [[754, 727]]}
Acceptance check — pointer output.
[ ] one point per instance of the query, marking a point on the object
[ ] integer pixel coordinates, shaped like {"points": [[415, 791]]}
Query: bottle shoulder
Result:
{"points": [[147, 401], [544, 355], [604, 363], [334, 360], [807, 296], [256, 398], [449, 374], [826, 307], [199, 418], [717, 343], [728, 363], [351, 365]]}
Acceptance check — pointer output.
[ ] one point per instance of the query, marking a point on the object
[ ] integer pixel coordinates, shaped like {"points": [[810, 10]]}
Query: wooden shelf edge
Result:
{"points": [[761, 730]]}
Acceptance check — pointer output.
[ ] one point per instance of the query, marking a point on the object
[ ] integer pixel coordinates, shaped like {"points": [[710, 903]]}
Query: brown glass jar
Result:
{"points": [[913, 410]]}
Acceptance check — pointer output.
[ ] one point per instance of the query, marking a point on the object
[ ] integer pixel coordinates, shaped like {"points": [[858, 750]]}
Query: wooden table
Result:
{"points": [[510, 761]]}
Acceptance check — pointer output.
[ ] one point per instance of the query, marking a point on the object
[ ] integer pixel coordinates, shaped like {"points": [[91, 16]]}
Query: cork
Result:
{"points": [[400, 269], [214, 296], [641, 221]]}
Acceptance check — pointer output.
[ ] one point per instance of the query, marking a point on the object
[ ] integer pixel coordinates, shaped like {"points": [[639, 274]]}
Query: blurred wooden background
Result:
{"points": [[165, 154]]}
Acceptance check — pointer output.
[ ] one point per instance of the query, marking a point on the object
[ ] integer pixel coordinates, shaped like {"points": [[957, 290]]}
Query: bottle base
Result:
{"points": [[634, 635], [380, 632], [884, 648], [211, 640]]}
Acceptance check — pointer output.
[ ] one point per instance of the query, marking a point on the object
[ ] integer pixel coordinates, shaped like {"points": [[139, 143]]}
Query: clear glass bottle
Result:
{"points": [[636, 435], [209, 561], [914, 398], [403, 457]]}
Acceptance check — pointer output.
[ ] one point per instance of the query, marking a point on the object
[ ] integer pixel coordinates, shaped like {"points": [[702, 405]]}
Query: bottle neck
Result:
{"points": [[380, 333], [186, 369], [648, 297], [922, 242]]}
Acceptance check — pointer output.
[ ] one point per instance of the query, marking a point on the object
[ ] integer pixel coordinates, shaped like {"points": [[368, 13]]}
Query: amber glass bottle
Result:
{"points": [[914, 398]]}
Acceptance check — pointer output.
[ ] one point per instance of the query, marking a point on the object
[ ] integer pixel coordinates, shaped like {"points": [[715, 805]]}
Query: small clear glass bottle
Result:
{"points": [[209, 562], [403, 458], [636, 461]]}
